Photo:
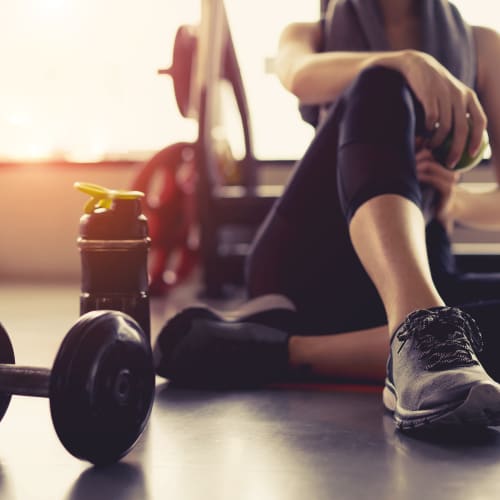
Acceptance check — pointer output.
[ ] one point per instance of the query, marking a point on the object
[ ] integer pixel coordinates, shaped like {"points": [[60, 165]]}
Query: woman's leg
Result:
{"points": [[362, 354], [303, 249], [388, 233], [380, 193], [350, 217], [433, 373], [359, 356]]}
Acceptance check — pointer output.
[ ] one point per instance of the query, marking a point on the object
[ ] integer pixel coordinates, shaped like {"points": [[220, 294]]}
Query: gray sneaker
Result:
{"points": [[433, 375]]}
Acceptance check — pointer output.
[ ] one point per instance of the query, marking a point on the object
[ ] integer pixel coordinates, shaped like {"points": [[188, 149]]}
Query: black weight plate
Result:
{"points": [[6, 357], [185, 44], [102, 386]]}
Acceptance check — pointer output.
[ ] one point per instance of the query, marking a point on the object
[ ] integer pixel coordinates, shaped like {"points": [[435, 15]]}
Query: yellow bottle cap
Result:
{"points": [[102, 197]]}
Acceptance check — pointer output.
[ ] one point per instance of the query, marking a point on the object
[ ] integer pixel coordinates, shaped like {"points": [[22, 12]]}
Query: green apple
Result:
{"points": [[466, 161]]}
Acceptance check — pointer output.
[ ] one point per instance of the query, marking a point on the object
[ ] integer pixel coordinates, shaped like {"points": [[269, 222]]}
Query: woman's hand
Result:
{"points": [[448, 104], [444, 180]]}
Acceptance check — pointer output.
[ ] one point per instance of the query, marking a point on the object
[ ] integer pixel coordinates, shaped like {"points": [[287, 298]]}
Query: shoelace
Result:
{"points": [[446, 337]]}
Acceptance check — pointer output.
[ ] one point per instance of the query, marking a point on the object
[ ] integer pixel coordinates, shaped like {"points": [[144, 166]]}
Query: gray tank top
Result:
{"points": [[357, 25]]}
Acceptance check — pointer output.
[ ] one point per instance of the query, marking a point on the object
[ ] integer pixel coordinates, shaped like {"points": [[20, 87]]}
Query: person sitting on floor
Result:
{"points": [[351, 276]]}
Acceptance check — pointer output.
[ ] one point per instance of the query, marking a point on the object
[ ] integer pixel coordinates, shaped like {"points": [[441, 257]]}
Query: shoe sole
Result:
{"points": [[481, 408]]}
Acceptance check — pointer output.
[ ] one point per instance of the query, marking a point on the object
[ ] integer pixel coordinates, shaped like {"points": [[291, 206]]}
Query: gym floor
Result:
{"points": [[322, 442]]}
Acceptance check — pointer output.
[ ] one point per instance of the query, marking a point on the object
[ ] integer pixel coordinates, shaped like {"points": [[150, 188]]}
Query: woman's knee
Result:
{"points": [[379, 107], [378, 80], [376, 153]]}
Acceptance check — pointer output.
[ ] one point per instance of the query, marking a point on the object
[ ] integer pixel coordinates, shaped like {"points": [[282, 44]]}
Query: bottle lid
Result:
{"points": [[102, 197], [112, 214]]}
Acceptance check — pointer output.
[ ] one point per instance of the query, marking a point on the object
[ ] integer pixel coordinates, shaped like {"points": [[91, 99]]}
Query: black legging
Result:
{"points": [[364, 148]]}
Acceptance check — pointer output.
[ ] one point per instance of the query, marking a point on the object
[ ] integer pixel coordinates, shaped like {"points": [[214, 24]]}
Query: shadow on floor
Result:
{"points": [[120, 481]]}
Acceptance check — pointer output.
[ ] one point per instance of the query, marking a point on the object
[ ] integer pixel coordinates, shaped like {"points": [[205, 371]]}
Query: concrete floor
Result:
{"points": [[332, 442]]}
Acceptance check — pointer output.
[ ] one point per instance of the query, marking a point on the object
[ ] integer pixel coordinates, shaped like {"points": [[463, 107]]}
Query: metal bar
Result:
{"points": [[24, 380]]}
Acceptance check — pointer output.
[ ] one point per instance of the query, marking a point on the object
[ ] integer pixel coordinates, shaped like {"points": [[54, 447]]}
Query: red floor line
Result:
{"points": [[327, 387]]}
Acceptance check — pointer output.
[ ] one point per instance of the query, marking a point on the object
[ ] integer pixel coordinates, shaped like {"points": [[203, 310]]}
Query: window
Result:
{"points": [[277, 127], [79, 77]]}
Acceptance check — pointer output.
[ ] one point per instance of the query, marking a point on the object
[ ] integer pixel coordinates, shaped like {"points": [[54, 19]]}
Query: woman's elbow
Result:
{"points": [[293, 78], [297, 44]]}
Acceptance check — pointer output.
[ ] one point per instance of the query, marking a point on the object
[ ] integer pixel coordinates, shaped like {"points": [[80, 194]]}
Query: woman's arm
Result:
{"points": [[321, 77], [482, 210], [478, 210], [488, 82]]}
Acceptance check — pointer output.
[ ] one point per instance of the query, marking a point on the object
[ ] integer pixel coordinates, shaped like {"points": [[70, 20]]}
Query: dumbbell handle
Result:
{"points": [[24, 380]]}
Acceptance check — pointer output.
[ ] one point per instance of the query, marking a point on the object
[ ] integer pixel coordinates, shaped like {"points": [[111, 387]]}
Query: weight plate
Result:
{"points": [[102, 386], [6, 357], [184, 53]]}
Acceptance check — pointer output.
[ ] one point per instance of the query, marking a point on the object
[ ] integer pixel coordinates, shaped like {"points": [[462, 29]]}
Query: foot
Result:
{"points": [[433, 375], [199, 347], [274, 310]]}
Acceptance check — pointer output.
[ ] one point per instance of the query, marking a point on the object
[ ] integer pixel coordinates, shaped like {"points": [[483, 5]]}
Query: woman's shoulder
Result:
{"points": [[487, 42], [301, 31], [486, 38]]}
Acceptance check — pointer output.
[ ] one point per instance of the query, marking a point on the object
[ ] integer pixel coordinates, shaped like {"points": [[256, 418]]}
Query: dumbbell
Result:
{"points": [[101, 385]]}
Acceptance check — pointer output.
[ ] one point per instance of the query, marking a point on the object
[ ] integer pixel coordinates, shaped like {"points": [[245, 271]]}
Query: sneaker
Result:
{"points": [[433, 375], [205, 348]]}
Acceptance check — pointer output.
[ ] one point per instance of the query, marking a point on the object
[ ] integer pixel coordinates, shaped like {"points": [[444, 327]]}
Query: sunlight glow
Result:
{"points": [[37, 151], [19, 119], [79, 77], [50, 6]]}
